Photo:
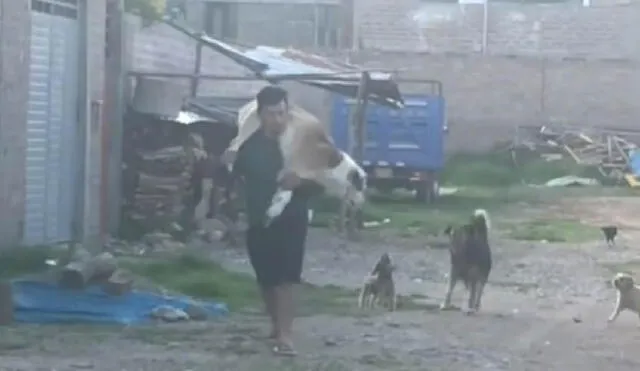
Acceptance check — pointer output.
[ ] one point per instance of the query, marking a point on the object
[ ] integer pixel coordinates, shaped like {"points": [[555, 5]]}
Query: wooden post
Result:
{"points": [[350, 221], [6, 304], [196, 69]]}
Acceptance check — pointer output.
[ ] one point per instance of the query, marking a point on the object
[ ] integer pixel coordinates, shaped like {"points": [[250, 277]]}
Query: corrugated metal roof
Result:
{"points": [[278, 64]]}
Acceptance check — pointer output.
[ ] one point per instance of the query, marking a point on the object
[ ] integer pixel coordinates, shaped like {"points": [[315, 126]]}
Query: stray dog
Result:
{"points": [[610, 233], [628, 296], [379, 286], [470, 259]]}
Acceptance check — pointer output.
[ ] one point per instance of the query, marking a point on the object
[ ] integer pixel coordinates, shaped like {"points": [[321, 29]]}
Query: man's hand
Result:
{"points": [[289, 181], [228, 157]]}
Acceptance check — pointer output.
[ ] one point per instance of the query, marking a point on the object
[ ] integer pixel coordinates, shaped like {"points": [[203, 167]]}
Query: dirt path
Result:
{"points": [[545, 309]]}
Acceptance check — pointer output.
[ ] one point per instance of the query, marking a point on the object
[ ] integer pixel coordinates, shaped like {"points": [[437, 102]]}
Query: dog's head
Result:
{"points": [[383, 267], [623, 281], [354, 181]]}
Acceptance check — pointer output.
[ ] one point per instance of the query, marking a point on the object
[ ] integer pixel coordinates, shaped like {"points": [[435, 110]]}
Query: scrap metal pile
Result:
{"points": [[605, 149]]}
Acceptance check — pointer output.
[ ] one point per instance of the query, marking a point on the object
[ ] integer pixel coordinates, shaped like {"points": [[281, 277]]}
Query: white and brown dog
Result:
{"points": [[379, 286], [628, 295], [309, 152]]}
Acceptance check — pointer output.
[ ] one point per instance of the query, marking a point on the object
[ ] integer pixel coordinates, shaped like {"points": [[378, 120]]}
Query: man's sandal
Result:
{"points": [[284, 351]]}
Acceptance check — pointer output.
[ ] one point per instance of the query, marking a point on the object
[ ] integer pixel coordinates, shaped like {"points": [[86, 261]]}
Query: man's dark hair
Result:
{"points": [[271, 95]]}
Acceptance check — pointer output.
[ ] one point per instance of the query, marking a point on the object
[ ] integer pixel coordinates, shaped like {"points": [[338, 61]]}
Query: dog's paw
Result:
{"points": [[280, 200]]}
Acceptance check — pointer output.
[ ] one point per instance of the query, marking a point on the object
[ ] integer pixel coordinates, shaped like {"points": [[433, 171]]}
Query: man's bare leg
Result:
{"points": [[269, 300], [284, 315]]}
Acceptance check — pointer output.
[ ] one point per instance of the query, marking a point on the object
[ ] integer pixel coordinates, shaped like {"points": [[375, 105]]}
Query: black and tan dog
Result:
{"points": [[379, 286], [470, 259], [610, 232]]}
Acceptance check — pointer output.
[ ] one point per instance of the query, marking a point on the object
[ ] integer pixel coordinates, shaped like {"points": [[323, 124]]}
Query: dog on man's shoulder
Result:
{"points": [[470, 259], [379, 287], [628, 295]]}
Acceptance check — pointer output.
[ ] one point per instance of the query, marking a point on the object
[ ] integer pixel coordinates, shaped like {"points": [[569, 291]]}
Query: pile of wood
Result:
{"points": [[606, 149], [101, 269], [158, 163]]}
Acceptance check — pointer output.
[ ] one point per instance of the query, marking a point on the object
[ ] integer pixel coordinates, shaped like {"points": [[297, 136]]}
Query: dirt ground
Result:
{"points": [[545, 309]]}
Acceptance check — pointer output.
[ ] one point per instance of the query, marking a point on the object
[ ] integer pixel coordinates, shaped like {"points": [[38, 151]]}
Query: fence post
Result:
{"points": [[196, 70]]}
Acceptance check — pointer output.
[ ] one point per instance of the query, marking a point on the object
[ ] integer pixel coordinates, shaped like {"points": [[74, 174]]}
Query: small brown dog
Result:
{"points": [[470, 259], [379, 287], [628, 296]]}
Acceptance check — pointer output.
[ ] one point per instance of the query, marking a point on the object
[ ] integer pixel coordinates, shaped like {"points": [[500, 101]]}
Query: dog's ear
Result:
{"points": [[448, 230]]}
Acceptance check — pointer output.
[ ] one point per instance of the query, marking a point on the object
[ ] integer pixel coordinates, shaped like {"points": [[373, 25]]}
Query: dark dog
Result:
{"points": [[610, 233], [470, 259], [379, 286]]}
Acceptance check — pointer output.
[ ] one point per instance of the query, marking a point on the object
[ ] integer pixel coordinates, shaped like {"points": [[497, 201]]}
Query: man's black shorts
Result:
{"points": [[276, 252]]}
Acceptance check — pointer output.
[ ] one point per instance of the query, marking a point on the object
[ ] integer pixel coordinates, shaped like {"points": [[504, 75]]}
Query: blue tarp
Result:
{"points": [[39, 302]]}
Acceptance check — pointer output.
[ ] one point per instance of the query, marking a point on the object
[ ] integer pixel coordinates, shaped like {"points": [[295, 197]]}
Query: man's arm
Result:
{"points": [[309, 188]]}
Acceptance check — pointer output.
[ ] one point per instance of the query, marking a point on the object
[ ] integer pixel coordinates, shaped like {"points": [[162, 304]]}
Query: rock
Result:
{"points": [[168, 313], [196, 312]]}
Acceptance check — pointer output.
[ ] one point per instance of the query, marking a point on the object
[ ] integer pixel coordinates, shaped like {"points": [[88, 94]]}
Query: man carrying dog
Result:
{"points": [[276, 251]]}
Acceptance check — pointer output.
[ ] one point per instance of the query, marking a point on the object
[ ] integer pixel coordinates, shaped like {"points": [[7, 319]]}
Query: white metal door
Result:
{"points": [[52, 122]]}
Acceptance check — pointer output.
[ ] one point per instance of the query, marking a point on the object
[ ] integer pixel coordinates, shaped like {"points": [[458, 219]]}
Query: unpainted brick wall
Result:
{"points": [[15, 29], [489, 97], [560, 63], [608, 29]]}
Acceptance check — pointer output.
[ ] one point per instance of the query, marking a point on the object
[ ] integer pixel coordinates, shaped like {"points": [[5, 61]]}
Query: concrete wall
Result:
{"points": [[15, 29]]}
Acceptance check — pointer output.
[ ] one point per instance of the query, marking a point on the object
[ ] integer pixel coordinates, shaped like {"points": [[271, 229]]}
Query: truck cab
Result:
{"points": [[404, 147]]}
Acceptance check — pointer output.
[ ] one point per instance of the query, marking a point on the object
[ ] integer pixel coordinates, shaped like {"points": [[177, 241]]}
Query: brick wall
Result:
{"points": [[605, 30], [488, 97], [561, 63], [15, 29]]}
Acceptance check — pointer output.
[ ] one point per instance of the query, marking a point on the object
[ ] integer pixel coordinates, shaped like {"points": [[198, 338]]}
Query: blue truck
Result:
{"points": [[404, 147]]}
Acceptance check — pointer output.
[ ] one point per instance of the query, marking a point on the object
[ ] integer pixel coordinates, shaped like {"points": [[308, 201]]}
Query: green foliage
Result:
{"points": [[553, 231], [500, 169], [201, 278], [148, 10], [22, 260]]}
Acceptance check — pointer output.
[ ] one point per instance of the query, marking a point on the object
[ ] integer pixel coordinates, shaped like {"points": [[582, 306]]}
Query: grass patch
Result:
{"points": [[22, 261], [490, 181], [553, 231], [204, 279], [409, 218], [500, 169]]}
